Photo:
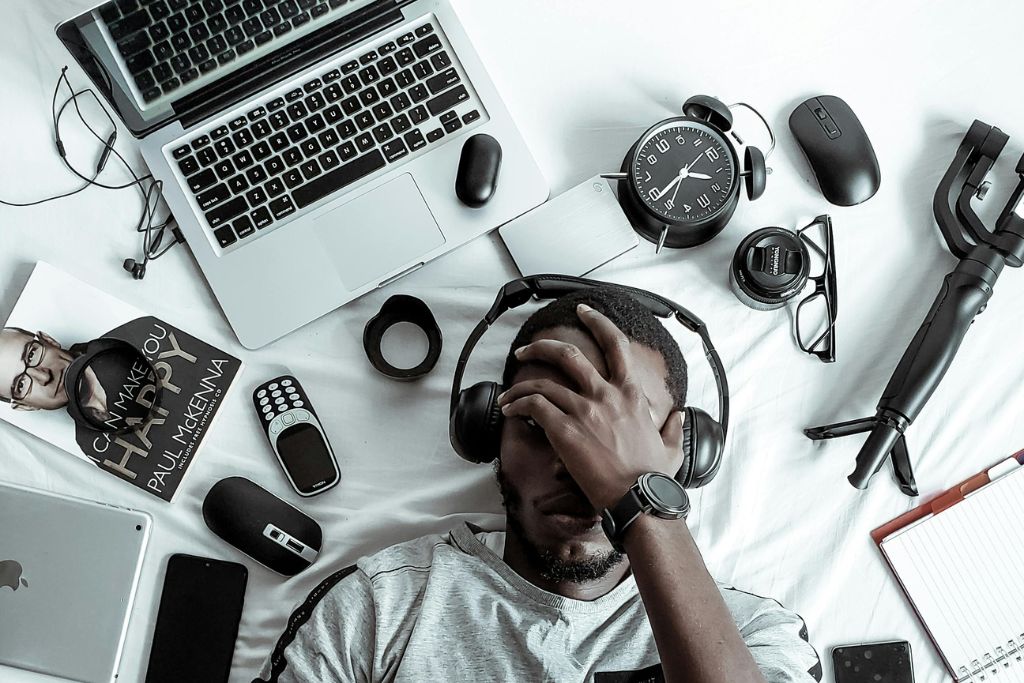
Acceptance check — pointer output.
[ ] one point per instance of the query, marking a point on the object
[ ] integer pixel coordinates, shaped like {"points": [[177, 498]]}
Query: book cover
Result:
{"points": [[53, 322]]}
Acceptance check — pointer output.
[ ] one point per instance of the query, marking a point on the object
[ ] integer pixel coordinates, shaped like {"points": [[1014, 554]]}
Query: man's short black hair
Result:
{"points": [[628, 314]]}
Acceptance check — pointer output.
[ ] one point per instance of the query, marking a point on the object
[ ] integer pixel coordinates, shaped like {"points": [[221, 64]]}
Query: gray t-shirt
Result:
{"points": [[448, 608]]}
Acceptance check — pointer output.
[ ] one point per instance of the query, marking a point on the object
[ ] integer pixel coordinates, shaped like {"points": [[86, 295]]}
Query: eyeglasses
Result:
{"points": [[31, 356], [815, 321]]}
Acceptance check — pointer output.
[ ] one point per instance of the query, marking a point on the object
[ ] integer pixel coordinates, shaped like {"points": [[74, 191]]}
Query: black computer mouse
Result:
{"points": [[261, 525], [478, 170], [838, 149]]}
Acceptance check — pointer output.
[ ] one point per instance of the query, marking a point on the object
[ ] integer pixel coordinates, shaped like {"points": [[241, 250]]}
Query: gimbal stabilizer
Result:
{"points": [[964, 294]]}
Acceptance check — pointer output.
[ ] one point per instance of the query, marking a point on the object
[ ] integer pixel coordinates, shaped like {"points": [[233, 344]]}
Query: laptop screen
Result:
{"points": [[158, 61]]}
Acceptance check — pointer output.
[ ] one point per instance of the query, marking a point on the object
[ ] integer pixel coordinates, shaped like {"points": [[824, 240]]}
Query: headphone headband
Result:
{"points": [[74, 375], [517, 292]]}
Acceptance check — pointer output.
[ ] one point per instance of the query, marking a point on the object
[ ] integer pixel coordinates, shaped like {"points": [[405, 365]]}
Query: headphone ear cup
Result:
{"points": [[475, 425], [703, 445]]}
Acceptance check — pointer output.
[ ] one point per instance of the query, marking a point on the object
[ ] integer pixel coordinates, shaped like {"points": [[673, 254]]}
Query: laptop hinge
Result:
{"points": [[287, 61]]}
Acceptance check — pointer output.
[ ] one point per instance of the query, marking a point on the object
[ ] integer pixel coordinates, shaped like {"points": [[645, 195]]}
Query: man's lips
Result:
{"points": [[569, 504]]}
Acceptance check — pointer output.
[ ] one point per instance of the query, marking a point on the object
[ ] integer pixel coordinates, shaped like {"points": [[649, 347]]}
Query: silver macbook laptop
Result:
{"points": [[68, 573], [307, 148]]}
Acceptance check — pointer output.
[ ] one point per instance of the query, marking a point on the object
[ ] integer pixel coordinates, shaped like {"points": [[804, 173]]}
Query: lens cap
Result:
{"points": [[112, 387], [770, 267]]}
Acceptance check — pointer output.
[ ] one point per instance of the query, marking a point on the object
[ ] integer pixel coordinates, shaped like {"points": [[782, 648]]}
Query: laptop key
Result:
{"points": [[261, 150], [315, 102], [435, 135], [453, 126], [274, 166], [338, 178], [369, 75], [279, 119], [405, 57], [387, 66], [225, 236], [297, 132], [424, 30], [401, 102], [292, 178], [224, 168], [470, 117], [225, 57], [394, 150], [226, 211], [279, 141], [224, 147], [346, 130], [128, 25], [300, 20], [201, 141], [350, 84], [238, 184], [368, 97], [347, 151], [419, 92], [386, 49], [401, 123], [243, 160], [206, 156], [202, 180], [404, 78], [243, 226], [136, 42], [328, 160], [422, 69], [297, 111], [282, 29], [447, 100], [188, 165], [256, 196], [405, 39], [261, 217], [257, 113], [261, 129], [328, 138], [350, 105], [414, 138], [364, 120], [349, 67], [383, 111], [292, 156], [274, 187], [255, 175], [181, 152], [219, 132], [275, 104], [368, 57], [441, 60], [243, 138], [383, 132], [247, 46], [281, 207], [426, 46], [387, 87], [207, 66], [333, 114], [263, 38], [443, 81], [364, 142], [319, 10], [310, 148], [310, 169]]}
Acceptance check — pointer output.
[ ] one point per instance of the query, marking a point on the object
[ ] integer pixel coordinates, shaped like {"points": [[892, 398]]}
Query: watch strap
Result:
{"points": [[616, 519]]}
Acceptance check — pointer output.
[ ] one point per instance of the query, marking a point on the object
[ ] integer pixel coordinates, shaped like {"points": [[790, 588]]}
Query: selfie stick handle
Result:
{"points": [[963, 295]]}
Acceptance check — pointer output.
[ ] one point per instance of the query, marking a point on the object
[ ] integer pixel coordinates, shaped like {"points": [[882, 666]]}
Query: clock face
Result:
{"points": [[684, 172]]}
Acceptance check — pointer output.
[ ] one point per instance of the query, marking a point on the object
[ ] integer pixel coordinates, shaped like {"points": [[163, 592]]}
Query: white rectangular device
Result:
{"points": [[579, 230], [307, 148], [69, 569]]}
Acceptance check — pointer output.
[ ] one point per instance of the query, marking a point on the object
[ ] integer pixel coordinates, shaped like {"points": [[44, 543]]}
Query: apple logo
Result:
{"points": [[10, 575]]}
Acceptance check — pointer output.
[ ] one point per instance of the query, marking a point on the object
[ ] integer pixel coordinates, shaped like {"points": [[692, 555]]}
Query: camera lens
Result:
{"points": [[769, 268]]}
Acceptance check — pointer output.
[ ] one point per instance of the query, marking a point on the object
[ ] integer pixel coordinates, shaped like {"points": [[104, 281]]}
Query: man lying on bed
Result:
{"points": [[550, 599]]}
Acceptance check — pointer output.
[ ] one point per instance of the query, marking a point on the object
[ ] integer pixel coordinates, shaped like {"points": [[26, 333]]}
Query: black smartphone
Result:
{"points": [[197, 624], [887, 662]]}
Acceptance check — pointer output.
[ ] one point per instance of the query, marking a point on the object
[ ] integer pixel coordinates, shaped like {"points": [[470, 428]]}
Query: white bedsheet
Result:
{"points": [[780, 520]]}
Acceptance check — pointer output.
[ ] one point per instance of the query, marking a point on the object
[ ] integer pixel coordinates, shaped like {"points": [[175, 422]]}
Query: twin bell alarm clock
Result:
{"points": [[680, 182]]}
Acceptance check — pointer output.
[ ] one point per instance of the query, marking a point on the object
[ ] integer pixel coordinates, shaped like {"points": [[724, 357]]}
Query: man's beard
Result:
{"points": [[588, 569]]}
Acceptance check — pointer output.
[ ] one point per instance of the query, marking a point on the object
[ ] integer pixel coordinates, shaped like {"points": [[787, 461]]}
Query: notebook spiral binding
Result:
{"points": [[989, 666]]}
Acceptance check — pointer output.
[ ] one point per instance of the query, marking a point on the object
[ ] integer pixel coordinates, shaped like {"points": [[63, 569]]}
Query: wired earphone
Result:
{"points": [[152, 227]]}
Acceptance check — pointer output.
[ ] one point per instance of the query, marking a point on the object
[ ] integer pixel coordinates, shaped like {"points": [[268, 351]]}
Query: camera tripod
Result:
{"points": [[964, 294]]}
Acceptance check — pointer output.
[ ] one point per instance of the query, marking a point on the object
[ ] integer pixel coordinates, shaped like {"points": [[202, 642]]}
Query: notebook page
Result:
{"points": [[963, 570]]}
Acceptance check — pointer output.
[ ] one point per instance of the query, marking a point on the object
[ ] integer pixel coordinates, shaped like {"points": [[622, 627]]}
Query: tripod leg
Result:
{"points": [[901, 468]]}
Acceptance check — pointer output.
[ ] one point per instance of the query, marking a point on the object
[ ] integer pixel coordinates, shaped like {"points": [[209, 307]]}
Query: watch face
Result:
{"points": [[684, 171], [665, 491]]}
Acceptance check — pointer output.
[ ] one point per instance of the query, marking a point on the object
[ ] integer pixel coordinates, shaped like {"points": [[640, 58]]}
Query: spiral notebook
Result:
{"points": [[960, 560]]}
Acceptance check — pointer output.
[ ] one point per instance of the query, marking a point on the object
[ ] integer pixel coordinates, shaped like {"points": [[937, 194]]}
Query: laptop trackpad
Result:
{"points": [[375, 233]]}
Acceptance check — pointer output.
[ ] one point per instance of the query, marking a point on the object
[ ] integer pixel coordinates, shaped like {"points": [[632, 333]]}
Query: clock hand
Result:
{"points": [[693, 163], [673, 200], [701, 176], [668, 187]]}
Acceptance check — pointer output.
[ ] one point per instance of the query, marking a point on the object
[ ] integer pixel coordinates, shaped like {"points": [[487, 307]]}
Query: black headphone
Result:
{"points": [[476, 420], [127, 356]]}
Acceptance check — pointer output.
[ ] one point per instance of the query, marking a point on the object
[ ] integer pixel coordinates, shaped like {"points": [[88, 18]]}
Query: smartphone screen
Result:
{"points": [[197, 624], [888, 662]]}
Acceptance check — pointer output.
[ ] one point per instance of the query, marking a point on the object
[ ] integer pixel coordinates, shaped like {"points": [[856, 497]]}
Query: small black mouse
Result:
{"points": [[837, 148], [478, 170], [261, 525]]}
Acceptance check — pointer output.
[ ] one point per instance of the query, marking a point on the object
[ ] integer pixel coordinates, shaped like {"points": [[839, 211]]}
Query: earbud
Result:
{"points": [[138, 270]]}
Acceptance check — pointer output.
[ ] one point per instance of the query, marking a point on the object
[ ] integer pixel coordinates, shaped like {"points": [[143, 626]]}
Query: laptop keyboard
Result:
{"points": [[167, 44], [290, 151]]}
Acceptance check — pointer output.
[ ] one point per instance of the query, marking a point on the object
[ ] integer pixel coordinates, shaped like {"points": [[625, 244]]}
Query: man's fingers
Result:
{"points": [[567, 358], [562, 397], [672, 431], [542, 411], [610, 338]]}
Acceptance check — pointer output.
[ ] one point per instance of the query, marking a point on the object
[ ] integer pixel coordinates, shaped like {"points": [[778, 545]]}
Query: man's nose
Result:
{"points": [[41, 375]]}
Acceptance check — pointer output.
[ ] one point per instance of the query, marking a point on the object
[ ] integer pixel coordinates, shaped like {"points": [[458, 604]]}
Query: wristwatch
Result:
{"points": [[653, 493]]}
